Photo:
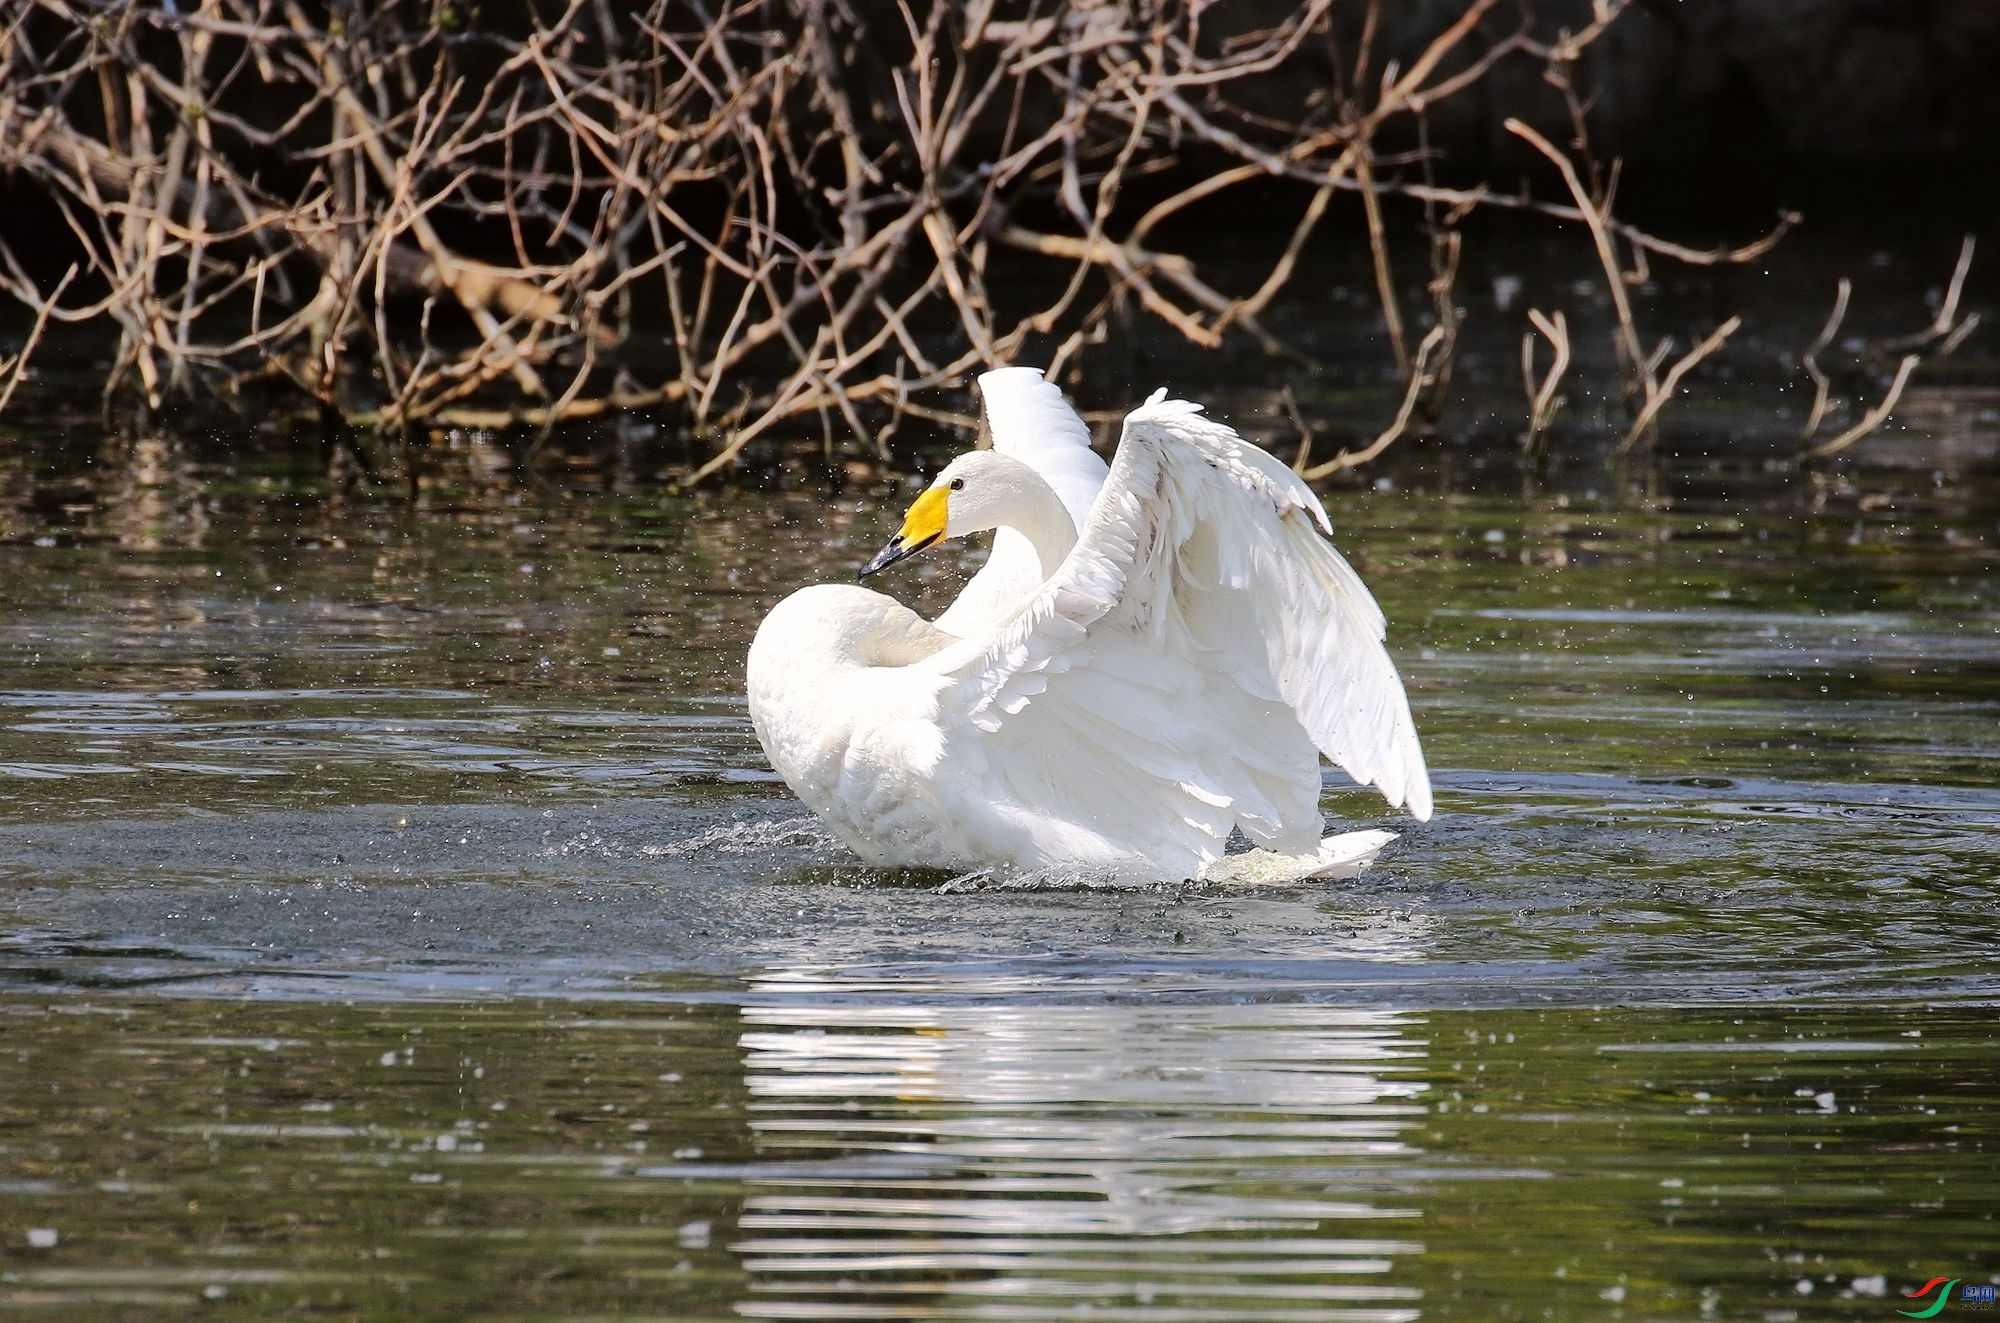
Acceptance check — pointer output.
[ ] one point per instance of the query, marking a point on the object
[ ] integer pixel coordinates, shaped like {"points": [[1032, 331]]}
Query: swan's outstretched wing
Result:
{"points": [[1321, 631], [1204, 637], [1030, 420]]}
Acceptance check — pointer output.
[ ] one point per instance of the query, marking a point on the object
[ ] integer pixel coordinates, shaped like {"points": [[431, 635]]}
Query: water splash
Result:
{"points": [[1056, 877], [1338, 856], [737, 838]]}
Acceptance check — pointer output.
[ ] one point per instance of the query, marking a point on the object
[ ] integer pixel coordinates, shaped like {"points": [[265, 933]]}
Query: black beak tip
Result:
{"points": [[884, 558], [896, 550]]}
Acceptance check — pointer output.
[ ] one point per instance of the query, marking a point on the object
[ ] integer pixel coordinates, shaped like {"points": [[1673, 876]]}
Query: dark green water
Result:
{"points": [[397, 921]]}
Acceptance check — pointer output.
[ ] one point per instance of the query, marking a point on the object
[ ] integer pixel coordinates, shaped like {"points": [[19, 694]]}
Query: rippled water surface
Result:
{"points": [[397, 921]]}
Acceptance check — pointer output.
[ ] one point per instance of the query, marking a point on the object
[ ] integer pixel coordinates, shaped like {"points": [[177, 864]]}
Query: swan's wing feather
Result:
{"points": [[1321, 630], [1029, 419], [1202, 586]]}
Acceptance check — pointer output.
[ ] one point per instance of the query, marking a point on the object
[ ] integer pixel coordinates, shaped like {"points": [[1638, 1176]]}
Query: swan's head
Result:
{"points": [[981, 489]]}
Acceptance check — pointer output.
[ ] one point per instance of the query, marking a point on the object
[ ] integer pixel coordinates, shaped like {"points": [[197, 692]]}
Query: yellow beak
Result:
{"points": [[923, 525]]}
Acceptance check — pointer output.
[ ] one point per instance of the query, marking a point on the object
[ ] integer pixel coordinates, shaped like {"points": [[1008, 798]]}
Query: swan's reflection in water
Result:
{"points": [[960, 1159]]}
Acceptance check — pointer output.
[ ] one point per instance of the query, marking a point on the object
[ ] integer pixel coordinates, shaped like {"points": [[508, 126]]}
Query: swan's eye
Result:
{"points": [[958, 484]]}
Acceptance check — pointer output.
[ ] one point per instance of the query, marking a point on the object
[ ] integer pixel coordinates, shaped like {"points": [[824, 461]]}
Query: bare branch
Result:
{"points": [[1420, 380], [1664, 391], [1875, 417], [1543, 399], [1822, 384], [13, 370]]}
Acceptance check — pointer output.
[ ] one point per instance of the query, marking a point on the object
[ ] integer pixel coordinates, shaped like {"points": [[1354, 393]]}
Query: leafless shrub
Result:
{"points": [[418, 224], [1650, 389], [1946, 331]]}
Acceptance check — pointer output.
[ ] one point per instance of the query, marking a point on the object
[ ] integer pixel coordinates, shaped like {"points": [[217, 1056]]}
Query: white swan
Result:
{"points": [[1152, 656]]}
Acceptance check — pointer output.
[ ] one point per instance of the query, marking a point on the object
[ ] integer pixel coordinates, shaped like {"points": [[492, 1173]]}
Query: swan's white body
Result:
{"points": [[1117, 688]]}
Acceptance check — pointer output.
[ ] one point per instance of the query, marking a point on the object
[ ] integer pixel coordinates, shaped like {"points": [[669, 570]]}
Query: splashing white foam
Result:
{"points": [[1340, 856], [1055, 878], [751, 838]]}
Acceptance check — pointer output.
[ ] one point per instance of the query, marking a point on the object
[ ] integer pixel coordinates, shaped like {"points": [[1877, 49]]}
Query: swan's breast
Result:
{"points": [[845, 718]]}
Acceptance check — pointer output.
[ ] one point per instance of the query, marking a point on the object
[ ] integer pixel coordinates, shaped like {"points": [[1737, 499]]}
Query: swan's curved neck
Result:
{"points": [[1038, 514]]}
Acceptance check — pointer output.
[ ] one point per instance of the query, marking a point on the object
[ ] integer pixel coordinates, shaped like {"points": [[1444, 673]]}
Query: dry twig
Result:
{"points": [[1822, 384], [1420, 380], [1659, 394], [1543, 399], [13, 370], [1946, 331], [1875, 417]]}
